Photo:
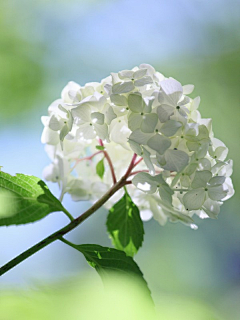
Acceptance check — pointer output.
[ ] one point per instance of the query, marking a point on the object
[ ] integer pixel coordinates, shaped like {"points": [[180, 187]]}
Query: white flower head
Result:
{"points": [[181, 168]]}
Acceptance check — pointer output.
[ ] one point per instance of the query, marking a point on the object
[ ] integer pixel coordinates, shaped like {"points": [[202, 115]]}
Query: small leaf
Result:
{"points": [[31, 197], [100, 169], [125, 225], [106, 260], [100, 147]]}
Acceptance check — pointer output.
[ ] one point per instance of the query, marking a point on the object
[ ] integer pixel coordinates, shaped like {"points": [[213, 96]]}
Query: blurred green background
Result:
{"points": [[43, 45]]}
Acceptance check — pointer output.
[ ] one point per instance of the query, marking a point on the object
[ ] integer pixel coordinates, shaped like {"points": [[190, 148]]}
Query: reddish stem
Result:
{"points": [[85, 158], [131, 166], [136, 163], [109, 162], [135, 172]]}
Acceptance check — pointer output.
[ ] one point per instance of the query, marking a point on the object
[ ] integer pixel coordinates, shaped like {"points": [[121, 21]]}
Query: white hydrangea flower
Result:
{"points": [[181, 168]]}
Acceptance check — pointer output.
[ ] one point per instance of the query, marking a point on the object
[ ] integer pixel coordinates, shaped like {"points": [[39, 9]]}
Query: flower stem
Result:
{"points": [[56, 235], [109, 162]]}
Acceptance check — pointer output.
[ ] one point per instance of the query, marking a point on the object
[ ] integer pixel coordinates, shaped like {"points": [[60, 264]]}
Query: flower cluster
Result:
{"points": [[181, 168]]}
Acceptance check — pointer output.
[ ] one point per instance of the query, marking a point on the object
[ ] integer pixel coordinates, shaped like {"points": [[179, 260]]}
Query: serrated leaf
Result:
{"points": [[106, 260], [32, 199], [100, 169], [125, 225]]}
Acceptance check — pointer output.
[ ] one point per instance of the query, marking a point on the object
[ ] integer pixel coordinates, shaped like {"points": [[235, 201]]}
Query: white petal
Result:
{"points": [[164, 112], [188, 88], [97, 117], [140, 137], [145, 214], [158, 213], [134, 121], [64, 131], [49, 136], [139, 73], [82, 113], [87, 131], [212, 208], [110, 115], [218, 180], [194, 199], [217, 192], [173, 89], [118, 100], [150, 69], [149, 122], [147, 160], [136, 102], [101, 130], [119, 132], [166, 193], [50, 173], [54, 123], [204, 164], [145, 182], [170, 127], [201, 178], [176, 160], [143, 81], [136, 148], [159, 143], [126, 74], [122, 87], [195, 104]]}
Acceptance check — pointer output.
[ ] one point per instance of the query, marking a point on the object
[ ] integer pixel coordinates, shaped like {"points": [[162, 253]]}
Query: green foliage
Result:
{"points": [[30, 199], [125, 225], [100, 169], [106, 260], [100, 147]]}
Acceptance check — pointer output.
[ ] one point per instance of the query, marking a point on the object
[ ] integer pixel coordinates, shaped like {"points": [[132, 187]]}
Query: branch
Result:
{"points": [[109, 162], [58, 234]]}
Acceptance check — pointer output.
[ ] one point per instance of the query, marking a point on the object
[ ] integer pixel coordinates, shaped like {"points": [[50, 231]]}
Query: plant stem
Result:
{"points": [[56, 235], [109, 162], [68, 214], [131, 166], [86, 159]]}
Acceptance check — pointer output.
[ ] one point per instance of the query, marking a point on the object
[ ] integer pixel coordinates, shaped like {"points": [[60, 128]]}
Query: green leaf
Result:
{"points": [[105, 260], [30, 197], [100, 169], [125, 225], [100, 147]]}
